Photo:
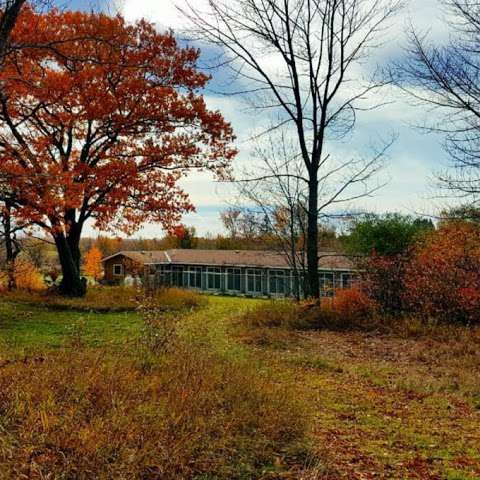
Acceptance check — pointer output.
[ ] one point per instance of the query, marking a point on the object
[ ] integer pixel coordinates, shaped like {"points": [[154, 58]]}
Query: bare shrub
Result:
{"points": [[160, 326]]}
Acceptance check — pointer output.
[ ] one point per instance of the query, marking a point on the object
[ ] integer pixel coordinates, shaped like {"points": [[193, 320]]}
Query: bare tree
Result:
{"points": [[276, 189], [299, 60], [231, 219], [446, 78], [276, 194]]}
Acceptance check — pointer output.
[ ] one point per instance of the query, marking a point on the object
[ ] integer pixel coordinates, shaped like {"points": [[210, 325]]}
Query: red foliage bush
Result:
{"points": [[353, 304], [442, 279], [382, 281]]}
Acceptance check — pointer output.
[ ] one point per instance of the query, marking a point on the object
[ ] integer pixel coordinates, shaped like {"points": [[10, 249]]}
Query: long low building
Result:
{"points": [[234, 272]]}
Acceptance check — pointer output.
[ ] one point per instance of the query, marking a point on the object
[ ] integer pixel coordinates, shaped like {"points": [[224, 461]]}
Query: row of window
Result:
{"points": [[279, 282], [192, 277]]}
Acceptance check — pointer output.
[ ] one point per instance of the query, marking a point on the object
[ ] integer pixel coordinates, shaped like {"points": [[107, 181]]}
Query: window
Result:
{"points": [[233, 279], [327, 283], [347, 280], [118, 269], [214, 278], [278, 282], [177, 276], [165, 275], [254, 281], [298, 283], [194, 276]]}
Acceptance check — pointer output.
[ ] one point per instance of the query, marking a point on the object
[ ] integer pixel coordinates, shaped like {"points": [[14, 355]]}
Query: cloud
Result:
{"points": [[413, 158], [165, 13]]}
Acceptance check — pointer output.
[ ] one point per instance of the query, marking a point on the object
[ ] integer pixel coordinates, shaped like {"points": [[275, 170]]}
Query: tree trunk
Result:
{"points": [[72, 284], [293, 255], [312, 284], [11, 248], [73, 241]]}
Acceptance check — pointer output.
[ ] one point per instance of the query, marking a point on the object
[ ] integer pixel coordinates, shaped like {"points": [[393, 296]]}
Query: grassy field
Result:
{"points": [[325, 404], [29, 327]]}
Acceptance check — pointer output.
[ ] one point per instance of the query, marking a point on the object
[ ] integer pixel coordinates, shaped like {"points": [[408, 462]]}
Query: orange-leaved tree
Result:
{"points": [[442, 279], [102, 127], [93, 263]]}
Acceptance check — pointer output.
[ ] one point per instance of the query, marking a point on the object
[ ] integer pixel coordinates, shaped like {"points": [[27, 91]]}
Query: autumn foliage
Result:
{"points": [[383, 280], [27, 277], [100, 125], [442, 279], [437, 278], [93, 263], [353, 304]]}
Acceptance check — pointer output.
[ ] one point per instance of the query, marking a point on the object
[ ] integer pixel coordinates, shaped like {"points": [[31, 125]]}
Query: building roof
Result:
{"points": [[244, 258]]}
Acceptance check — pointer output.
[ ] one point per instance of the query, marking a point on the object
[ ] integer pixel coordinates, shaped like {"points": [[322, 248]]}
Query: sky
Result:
{"points": [[412, 161]]}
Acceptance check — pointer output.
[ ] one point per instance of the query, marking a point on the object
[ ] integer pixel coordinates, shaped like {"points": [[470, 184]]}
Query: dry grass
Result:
{"points": [[276, 318], [393, 407], [276, 314], [398, 399], [397, 402], [80, 414], [277, 323], [109, 299], [271, 323]]}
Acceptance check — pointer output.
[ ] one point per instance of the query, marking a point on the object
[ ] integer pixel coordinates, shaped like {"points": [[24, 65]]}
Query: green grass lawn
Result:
{"points": [[26, 327], [378, 406]]}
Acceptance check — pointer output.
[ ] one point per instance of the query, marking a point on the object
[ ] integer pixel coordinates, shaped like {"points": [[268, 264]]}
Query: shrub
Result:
{"points": [[275, 314], [27, 277], [442, 280], [160, 327], [78, 414], [265, 324], [382, 281], [52, 275], [353, 305], [341, 313]]}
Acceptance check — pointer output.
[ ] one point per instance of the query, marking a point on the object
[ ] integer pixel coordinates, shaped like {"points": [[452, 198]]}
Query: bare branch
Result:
{"points": [[295, 60]]}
